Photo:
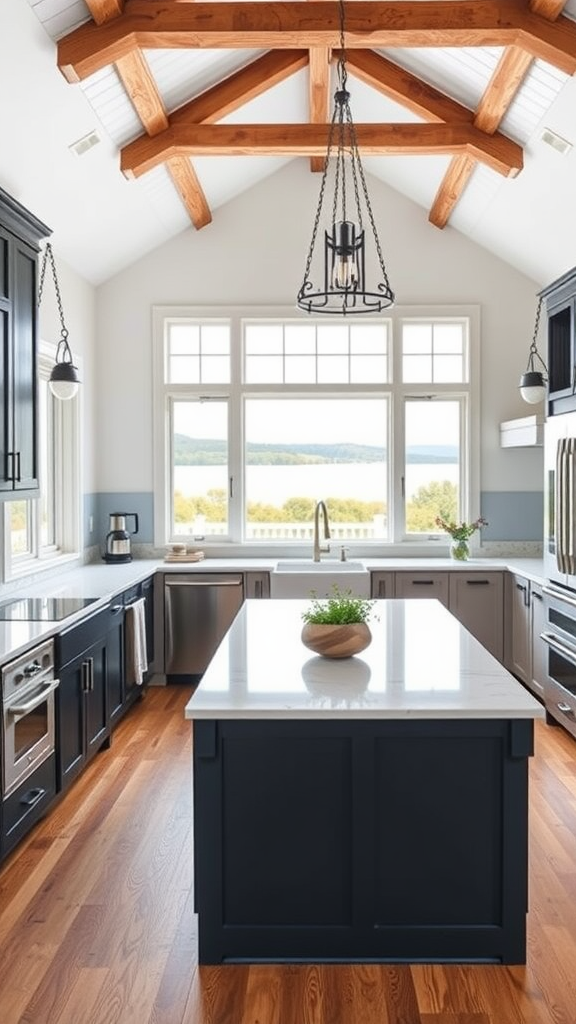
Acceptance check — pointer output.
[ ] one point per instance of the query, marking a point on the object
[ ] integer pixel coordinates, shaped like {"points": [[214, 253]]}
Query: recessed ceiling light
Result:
{"points": [[556, 141], [82, 145]]}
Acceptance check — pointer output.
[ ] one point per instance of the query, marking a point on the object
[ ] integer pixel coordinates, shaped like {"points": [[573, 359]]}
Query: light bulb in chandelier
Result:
{"points": [[63, 381], [346, 246]]}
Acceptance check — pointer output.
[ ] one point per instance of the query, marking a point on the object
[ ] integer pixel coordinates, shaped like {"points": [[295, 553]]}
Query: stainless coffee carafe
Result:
{"points": [[118, 540]]}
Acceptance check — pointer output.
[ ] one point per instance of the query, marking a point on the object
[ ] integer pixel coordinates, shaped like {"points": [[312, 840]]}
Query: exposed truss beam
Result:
{"points": [[498, 152], [498, 96], [319, 91], [369, 23]]}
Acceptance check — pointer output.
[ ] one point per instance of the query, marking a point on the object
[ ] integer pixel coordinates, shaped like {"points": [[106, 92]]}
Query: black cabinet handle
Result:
{"points": [[18, 474], [422, 583], [480, 583], [520, 586], [85, 677], [32, 797], [537, 595]]}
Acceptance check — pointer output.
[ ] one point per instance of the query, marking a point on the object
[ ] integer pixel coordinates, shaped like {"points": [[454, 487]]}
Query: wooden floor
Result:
{"points": [[97, 923]]}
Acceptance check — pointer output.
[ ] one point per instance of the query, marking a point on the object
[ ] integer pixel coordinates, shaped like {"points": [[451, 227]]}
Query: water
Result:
{"points": [[275, 484]]}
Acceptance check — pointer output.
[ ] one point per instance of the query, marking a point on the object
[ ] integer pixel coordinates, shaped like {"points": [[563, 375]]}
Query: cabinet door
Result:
{"points": [[70, 723], [423, 584], [382, 584], [539, 650], [477, 601], [96, 698], [25, 389], [257, 584], [518, 646], [115, 661], [6, 464]]}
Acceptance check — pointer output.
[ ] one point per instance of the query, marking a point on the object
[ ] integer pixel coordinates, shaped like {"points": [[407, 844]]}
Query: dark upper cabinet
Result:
{"points": [[560, 300], [20, 235]]}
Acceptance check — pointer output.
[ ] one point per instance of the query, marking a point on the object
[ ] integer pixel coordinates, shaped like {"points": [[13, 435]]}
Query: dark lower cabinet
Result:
{"points": [[123, 689], [82, 718], [373, 840], [27, 804]]}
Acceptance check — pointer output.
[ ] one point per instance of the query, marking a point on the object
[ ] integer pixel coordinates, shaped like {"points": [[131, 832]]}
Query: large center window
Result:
{"points": [[258, 417]]}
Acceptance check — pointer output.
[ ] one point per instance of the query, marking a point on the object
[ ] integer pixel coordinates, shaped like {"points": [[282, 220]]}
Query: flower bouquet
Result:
{"points": [[460, 533]]}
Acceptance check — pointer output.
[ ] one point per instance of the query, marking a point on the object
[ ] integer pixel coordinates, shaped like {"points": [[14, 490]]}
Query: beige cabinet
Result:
{"points": [[257, 584], [477, 601], [518, 653], [525, 653], [423, 584], [382, 584], [539, 663]]}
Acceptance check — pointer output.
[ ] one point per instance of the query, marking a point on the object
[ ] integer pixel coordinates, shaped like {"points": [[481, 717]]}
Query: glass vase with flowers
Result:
{"points": [[460, 534]]}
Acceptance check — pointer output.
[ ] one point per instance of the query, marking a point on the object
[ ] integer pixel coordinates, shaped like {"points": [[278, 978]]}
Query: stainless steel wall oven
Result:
{"points": [[560, 638], [28, 719]]}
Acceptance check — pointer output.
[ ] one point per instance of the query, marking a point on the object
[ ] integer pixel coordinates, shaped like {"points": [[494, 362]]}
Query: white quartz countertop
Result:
{"points": [[421, 664], [101, 581]]}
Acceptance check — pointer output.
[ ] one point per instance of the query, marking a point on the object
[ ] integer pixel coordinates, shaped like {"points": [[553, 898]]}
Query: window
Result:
{"points": [[47, 528], [259, 415]]}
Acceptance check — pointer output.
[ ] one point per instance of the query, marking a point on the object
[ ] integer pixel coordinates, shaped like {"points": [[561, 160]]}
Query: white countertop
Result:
{"points": [[101, 581], [421, 664]]}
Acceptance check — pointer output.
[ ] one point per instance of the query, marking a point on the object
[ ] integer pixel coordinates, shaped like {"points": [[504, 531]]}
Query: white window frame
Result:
{"points": [[67, 490], [468, 394]]}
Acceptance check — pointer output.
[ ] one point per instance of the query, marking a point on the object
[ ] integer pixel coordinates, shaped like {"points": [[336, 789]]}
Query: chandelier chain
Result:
{"points": [[533, 346], [49, 258]]}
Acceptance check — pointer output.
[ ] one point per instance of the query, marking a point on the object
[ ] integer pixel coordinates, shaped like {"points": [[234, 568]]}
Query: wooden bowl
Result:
{"points": [[336, 641]]}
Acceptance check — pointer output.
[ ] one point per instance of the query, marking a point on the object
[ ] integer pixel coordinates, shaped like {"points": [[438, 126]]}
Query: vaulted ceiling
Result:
{"points": [[454, 104]]}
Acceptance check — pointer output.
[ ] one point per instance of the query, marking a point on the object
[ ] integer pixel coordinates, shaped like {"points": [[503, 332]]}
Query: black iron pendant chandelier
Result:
{"points": [[533, 381], [343, 286], [64, 380]]}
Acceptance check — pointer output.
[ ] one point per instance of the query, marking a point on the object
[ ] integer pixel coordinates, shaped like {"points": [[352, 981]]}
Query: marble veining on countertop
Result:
{"points": [[421, 664]]}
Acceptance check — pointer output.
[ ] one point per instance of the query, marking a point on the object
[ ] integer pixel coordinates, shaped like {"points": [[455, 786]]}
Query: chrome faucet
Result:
{"points": [[318, 549]]}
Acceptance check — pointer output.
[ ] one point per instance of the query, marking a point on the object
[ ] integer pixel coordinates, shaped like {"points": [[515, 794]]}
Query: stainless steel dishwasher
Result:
{"points": [[198, 609]]}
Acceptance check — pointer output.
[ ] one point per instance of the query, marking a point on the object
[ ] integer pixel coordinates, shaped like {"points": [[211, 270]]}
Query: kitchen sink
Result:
{"points": [[305, 578], [307, 565]]}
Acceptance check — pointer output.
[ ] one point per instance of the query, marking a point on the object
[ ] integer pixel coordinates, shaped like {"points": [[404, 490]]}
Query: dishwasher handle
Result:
{"points": [[206, 583]]}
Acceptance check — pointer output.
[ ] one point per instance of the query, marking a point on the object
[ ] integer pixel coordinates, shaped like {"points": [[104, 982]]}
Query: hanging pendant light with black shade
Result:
{"points": [[63, 381], [343, 286], [533, 382]]}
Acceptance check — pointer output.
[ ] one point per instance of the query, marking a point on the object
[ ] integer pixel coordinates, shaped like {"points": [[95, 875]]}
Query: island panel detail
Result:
{"points": [[361, 840]]}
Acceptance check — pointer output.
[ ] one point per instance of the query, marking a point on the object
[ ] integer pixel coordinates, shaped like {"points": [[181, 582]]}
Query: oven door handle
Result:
{"points": [[19, 710], [567, 652], [561, 595]]}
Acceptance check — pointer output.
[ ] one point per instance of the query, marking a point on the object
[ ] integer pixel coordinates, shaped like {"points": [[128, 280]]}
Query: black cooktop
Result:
{"points": [[42, 609]]}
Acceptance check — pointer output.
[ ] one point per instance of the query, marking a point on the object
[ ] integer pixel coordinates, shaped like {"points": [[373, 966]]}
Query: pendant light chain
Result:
{"points": [[49, 257], [533, 346]]}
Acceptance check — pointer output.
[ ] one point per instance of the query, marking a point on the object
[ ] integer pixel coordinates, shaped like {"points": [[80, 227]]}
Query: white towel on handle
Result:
{"points": [[136, 660]]}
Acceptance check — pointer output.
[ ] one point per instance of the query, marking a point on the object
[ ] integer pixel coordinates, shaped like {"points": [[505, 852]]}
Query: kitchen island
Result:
{"points": [[369, 809]]}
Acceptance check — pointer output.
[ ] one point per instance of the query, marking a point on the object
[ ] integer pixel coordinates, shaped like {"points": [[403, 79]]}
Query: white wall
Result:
{"points": [[254, 252]]}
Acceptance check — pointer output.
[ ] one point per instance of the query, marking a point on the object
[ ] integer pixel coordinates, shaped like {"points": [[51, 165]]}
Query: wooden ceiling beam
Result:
{"points": [[191, 192], [153, 24], [319, 95], [105, 10], [241, 87], [142, 155], [405, 88]]}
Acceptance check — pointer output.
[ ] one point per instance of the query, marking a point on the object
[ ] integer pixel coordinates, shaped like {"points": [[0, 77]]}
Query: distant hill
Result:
{"points": [[189, 451]]}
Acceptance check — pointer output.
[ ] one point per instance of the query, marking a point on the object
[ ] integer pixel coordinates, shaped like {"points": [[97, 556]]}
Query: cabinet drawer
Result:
{"points": [[72, 642], [423, 584], [561, 705]]}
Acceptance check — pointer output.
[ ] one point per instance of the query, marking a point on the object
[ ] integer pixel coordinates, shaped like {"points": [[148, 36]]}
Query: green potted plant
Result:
{"points": [[337, 626]]}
